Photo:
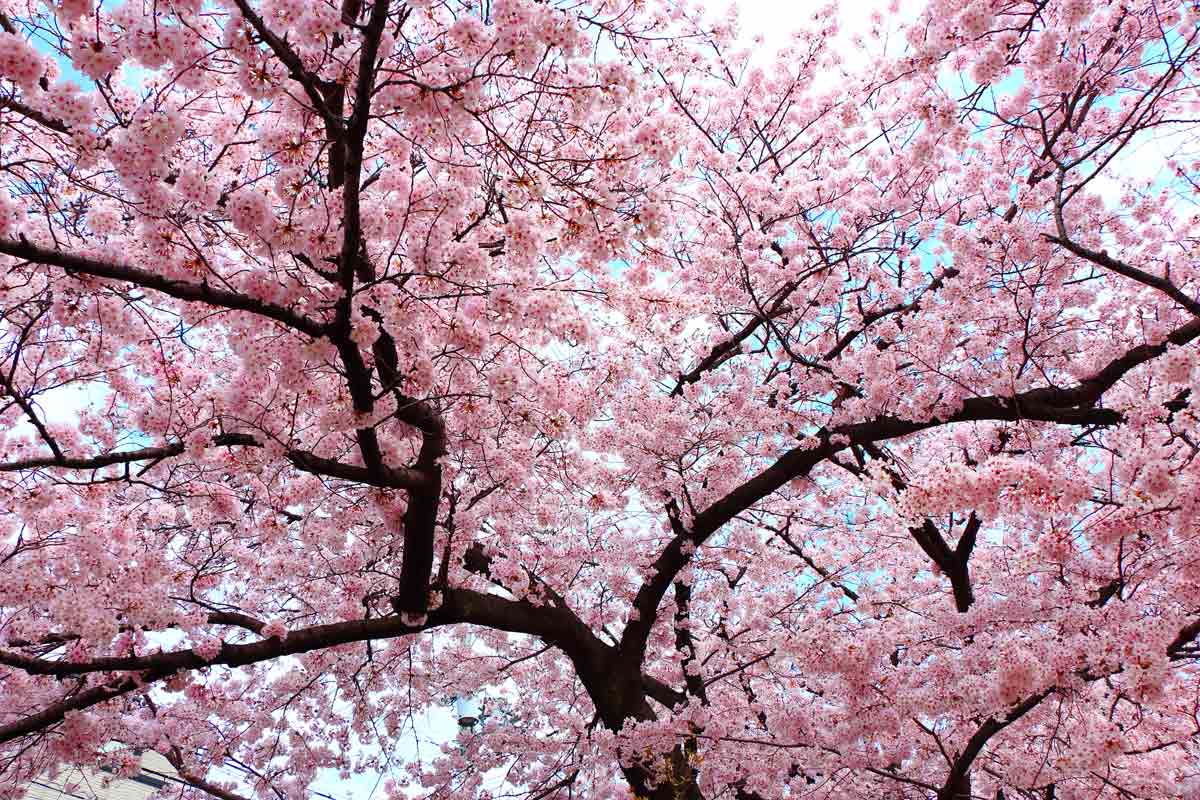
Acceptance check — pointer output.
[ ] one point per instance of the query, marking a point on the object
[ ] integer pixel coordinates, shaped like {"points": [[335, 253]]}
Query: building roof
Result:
{"points": [[86, 783]]}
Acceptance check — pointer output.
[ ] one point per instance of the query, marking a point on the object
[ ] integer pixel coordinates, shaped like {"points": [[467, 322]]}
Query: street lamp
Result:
{"points": [[468, 711]]}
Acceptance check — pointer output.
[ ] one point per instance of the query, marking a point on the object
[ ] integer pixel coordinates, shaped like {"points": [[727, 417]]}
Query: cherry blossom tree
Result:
{"points": [[739, 427]]}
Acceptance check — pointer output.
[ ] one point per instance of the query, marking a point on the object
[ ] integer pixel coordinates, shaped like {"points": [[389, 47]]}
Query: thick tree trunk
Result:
{"points": [[619, 695], [957, 788], [676, 781]]}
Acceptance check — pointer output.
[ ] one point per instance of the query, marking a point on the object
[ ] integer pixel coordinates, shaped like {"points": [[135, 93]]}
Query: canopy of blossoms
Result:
{"points": [[740, 426]]}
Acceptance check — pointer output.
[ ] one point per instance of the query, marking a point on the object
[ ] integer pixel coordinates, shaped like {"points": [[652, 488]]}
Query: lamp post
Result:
{"points": [[468, 712]]}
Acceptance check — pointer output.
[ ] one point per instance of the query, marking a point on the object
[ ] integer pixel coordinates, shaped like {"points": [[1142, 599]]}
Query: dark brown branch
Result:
{"points": [[387, 477], [1103, 259], [27, 407], [195, 781], [420, 518], [556, 626], [953, 563], [1076, 405], [34, 114], [182, 290], [232, 618], [729, 348], [685, 644], [296, 69], [798, 551], [54, 713], [958, 784], [902, 308]]}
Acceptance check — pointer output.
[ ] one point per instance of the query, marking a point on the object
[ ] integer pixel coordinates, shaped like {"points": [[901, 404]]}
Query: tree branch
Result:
{"points": [[33, 114], [1103, 259], [958, 784], [1075, 405], [308, 81], [411, 479], [554, 625], [182, 290]]}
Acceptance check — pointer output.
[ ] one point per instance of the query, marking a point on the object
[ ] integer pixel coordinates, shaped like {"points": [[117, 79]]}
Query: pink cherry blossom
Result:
{"points": [[726, 424]]}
